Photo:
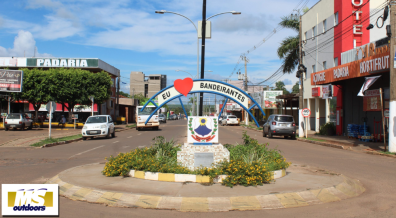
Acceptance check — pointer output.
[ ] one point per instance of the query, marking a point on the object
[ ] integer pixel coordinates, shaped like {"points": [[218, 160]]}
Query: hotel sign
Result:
{"points": [[377, 62]]}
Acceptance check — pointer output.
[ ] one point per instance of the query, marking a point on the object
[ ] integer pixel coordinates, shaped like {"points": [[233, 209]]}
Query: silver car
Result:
{"points": [[278, 124]]}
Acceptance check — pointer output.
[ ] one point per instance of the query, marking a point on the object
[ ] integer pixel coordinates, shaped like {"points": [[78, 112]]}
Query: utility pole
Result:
{"points": [[392, 71], [203, 53], [246, 89], [301, 97]]}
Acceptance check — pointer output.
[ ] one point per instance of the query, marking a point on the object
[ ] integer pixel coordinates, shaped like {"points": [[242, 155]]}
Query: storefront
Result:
{"points": [[93, 65], [349, 108]]}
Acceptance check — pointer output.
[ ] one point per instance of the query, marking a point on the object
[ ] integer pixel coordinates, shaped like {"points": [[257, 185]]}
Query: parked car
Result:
{"points": [[17, 120], [173, 117], [100, 125], [162, 118], [229, 120], [278, 124]]}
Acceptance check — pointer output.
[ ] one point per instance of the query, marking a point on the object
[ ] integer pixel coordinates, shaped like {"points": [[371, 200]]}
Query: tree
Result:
{"points": [[296, 88], [280, 85], [74, 86], [124, 94], [141, 99], [288, 50], [36, 83]]}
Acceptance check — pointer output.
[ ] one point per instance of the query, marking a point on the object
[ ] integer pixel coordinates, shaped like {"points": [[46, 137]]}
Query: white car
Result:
{"points": [[100, 125], [229, 120], [17, 120]]}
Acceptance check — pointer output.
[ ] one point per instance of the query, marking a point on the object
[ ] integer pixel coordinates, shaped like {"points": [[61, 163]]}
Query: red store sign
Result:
{"points": [[316, 92]]}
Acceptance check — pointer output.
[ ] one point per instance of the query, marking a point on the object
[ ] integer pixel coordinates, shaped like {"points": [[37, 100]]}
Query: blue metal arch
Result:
{"points": [[217, 93]]}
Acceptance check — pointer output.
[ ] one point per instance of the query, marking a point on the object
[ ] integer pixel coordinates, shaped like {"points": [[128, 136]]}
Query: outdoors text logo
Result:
{"points": [[29, 199]]}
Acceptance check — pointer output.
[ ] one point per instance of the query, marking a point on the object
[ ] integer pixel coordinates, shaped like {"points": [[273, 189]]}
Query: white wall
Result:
{"points": [[376, 33]]}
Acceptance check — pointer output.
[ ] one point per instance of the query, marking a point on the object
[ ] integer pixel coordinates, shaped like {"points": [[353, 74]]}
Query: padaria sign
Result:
{"points": [[189, 86]]}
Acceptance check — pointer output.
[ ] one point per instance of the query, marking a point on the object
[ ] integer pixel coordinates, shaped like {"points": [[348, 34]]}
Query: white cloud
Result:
{"points": [[287, 82], [24, 45]]}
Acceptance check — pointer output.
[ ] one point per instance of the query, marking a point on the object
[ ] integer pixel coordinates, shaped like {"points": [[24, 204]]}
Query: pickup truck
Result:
{"points": [[17, 120]]}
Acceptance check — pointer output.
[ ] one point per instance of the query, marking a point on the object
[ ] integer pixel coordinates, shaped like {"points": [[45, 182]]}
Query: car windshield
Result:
{"points": [[283, 119], [96, 120], [146, 111], [161, 115], [232, 117], [13, 116]]}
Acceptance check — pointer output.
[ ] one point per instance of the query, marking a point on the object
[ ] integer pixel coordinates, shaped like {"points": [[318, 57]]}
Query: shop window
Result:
{"points": [[324, 65], [336, 19], [335, 62], [324, 26], [313, 68]]}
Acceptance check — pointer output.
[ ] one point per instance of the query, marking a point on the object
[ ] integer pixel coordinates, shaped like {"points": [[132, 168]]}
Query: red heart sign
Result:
{"points": [[183, 86]]}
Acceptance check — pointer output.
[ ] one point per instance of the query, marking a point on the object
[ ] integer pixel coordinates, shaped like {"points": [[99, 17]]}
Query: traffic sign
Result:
{"points": [[386, 113], [306, 112], [3, 115], [53, 106]]}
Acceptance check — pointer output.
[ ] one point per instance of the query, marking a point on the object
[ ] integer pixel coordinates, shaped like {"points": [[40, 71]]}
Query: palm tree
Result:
{"points": [[288, 49]]}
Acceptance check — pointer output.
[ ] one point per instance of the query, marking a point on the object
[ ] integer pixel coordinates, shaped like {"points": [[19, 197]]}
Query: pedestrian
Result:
{"points": [[62, 121]]}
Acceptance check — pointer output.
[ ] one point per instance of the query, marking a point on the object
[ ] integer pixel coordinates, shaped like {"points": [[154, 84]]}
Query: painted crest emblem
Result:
{"points": [[202, 129]]}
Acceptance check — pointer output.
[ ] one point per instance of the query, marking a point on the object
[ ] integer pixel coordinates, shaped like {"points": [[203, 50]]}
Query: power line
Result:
{"points": [[277, 29]]}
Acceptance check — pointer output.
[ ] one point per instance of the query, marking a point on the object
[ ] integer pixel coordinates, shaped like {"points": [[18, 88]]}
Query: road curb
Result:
{"points": [[60, 143], [347, 189], [173, 177], [325, 144]]}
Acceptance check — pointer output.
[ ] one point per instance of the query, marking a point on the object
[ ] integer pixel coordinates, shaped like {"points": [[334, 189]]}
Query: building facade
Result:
{"points": [[90, 64], [146, 85], [332, 32]]}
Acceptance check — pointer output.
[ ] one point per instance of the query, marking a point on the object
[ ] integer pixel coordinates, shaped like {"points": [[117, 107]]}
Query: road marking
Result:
{"points": [[86, 151], [115, 142], [129, 137]]}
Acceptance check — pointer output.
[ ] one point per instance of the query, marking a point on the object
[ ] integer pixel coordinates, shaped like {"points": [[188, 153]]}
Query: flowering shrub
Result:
{"points": [[250, 163]]}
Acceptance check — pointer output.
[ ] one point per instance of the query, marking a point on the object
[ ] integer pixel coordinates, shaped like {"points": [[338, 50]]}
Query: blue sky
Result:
{"points": [[130, 36]]}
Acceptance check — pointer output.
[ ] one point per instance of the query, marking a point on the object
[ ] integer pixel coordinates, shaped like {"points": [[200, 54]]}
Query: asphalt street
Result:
{"points": [[377, 173]]}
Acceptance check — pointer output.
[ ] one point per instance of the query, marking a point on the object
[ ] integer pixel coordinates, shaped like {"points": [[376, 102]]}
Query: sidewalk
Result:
{"points": [[16, 138], [353, 144], [302, 186]]}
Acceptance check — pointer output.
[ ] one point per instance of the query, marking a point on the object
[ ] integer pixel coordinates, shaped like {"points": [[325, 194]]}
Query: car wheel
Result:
{"points": [[5, 128], [293, 137], [84, 138], [113, 134], [23, 127], [285, 136], [108, 134], [264, 133], [30, 127], [269, 134], [138, 129]]}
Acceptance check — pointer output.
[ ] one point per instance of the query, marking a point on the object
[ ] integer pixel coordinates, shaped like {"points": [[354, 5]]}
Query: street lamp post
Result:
{"points": [[194, 93], [203, 40]]}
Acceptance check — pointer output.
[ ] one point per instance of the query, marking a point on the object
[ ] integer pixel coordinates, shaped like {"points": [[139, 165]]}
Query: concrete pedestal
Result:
{"points": [[196, 156]]}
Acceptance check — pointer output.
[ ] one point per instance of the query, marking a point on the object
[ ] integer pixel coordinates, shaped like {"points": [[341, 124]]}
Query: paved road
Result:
{"points": [[377, 173]]}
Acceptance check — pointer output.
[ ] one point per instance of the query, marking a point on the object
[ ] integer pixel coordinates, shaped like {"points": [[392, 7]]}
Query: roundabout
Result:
{"points": [[302, 186]]}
